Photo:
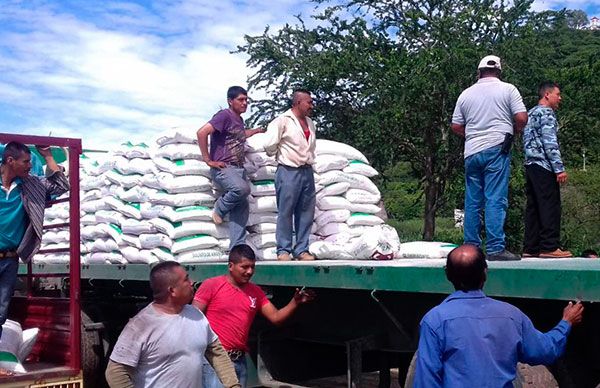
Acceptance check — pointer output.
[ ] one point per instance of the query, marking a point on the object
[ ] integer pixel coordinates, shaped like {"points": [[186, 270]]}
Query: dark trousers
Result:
{"points": [[542, 215]]}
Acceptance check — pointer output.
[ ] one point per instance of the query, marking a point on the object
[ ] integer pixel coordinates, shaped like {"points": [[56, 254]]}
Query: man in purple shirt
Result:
{"points": [[470, 340], [226, 161]]}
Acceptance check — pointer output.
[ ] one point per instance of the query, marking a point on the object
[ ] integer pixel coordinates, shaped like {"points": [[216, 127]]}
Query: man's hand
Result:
{"points": [[573, 313], [46, 152], [304, 296], [561, 177], [215, 164]]}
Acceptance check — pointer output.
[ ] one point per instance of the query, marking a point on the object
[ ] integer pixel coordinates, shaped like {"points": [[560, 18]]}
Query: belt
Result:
{"points": [[8, 254], [235, 354]]}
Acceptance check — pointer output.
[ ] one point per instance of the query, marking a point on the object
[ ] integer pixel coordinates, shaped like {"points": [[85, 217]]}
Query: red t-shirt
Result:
{"points": [[230, 310]]}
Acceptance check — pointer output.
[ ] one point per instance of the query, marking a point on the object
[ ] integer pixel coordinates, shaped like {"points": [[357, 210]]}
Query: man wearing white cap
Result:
{"points": [[487, 115]]}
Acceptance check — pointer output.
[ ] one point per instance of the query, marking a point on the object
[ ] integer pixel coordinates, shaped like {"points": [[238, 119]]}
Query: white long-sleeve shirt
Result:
{"points": [[286, 140]]}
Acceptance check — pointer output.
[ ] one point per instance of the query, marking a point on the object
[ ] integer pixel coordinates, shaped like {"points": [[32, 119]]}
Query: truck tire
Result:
{"points": [[92, 354], [534, 377], [527, 376]]}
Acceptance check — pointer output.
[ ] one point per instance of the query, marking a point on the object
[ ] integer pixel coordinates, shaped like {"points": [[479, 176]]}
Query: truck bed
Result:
{"points": [[562, 279]]}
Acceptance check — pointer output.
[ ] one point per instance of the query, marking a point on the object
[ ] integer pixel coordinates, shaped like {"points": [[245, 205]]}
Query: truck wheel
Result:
{"points": [[534, 377], [410, 374], [92, 354], [527, 376]]}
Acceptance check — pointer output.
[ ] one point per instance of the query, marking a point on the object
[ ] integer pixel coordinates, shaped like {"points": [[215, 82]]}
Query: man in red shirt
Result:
{"points": [[230, 303]]}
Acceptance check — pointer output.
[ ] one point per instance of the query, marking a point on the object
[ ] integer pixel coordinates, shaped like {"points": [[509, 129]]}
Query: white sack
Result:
{"points": [[183, 166], [178, 151], [425, 250], [326, 162], [177, 135], [362, 196], [358, 167], [335, 148]]}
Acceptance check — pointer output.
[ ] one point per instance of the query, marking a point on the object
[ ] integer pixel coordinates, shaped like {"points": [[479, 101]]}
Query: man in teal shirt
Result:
{"points": [[22, 203]]}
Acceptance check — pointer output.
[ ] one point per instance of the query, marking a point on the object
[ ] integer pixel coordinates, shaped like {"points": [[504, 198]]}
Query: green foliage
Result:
{"points": [[386, 76], [581, 210], [410, 230]]}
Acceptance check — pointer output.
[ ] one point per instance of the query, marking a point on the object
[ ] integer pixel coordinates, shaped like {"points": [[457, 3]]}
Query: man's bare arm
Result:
{"points": [[458, 129], [520, 121]]}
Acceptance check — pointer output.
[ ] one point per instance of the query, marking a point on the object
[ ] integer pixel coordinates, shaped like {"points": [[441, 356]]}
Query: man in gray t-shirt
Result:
{"points": [[165, 343], [487, 115]]}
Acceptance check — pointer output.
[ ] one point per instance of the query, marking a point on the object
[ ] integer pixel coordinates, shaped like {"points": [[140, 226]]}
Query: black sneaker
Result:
{"points": [[503, 256]]}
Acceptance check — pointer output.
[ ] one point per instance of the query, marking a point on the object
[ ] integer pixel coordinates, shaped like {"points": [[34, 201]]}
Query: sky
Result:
{"points": [[111, 71]]}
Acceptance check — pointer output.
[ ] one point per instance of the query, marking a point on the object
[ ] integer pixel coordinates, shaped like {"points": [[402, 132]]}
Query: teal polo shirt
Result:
{"points": [[13, 218]]}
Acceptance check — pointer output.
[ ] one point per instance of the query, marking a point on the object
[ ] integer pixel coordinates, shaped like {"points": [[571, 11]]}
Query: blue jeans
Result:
{"points": [[232, 180], [486, 178], [8, 278], [211, 380], [295, 189]]}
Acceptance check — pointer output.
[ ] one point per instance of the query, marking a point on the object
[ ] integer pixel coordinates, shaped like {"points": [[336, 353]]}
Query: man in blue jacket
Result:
{"points": [[470, 340]]}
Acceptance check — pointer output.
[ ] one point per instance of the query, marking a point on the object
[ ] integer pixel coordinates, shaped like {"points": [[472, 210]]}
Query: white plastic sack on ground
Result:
{"points": [[129, 209], [155, 240], [137, 227], [29, 340], [329, 216], [190, 228], [203, 255], [192, 243], [260, 159], [178, 151], [425, 250], [163, 254], [187, 213], [262, 188], [363, 219], [261, 218], [135, 194], [177, 135], [333, 228], [266, 227], [12, 338], [134, 166], [364, 208], [263, 173], [326, 162], [362, 196], [261, 241], [337, 188], [106, 258], [265, 254], [358, 167], [262, 204], [339, 238], [334, 148], [361, 182], [371, 245], [109, 217], [130, 150], [93, 206], [177, 184], [182, 166], [126, 181], [329, 251], [184, 199], [134, 255], [333, 202]]}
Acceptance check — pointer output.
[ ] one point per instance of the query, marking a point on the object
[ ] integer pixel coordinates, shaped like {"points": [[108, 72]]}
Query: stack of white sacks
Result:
{"points": [[144, 204]]}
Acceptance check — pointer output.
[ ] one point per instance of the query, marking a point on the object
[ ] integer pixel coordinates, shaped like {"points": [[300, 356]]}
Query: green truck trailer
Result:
{"points": [[365, 318]]}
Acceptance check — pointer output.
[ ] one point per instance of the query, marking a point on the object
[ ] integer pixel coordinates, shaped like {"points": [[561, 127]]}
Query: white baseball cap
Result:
{"points": [[490, 62]]}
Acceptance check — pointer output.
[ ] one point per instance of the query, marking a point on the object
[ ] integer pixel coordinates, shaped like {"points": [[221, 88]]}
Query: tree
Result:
{"points": [[386, 75], [577, 18]]}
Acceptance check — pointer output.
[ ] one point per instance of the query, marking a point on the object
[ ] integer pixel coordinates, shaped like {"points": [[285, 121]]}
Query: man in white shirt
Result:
{"points": [[291, 138], [487, 115], [165, 343]]}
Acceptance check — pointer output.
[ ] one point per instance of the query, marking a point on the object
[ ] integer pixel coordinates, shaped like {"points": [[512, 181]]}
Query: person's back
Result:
{"points": [[470, 340], [487, 108], [480, 334]]}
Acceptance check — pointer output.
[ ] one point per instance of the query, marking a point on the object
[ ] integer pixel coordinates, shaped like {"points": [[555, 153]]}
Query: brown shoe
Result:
{"points": [[217, 219], [305, 256], [556, 254], [284, 256], [526, 255]]}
